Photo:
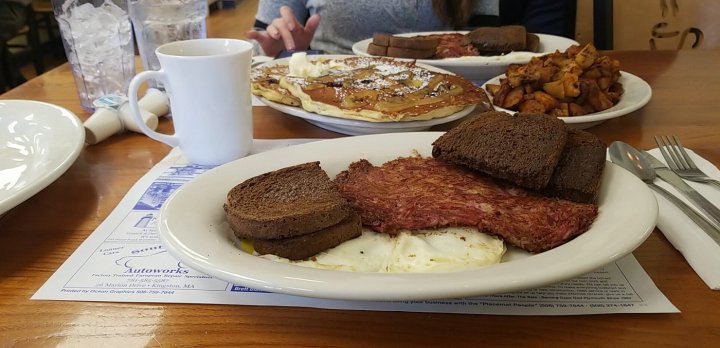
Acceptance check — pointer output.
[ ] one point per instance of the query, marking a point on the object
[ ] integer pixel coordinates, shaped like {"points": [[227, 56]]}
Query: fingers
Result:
{"points": [[287, 29], [279, 30], [290, 21], [286, 26], [270, 46], [312, 24], [273, 31], [262, 37], [252, 34]]}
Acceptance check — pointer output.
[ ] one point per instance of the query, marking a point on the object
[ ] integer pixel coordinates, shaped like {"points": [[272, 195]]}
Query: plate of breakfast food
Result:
{"points": [[357, 127], [499, 203], [476, 55], [365, 95], [40, 142], [579, 86]]}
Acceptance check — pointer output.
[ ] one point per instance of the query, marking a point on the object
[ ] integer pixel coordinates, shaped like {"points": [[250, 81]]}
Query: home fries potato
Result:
{"points": [[576, 82]]}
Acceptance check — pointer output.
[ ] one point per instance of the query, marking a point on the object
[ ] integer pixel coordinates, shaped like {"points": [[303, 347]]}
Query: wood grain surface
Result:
{"points": [[40, 234]]}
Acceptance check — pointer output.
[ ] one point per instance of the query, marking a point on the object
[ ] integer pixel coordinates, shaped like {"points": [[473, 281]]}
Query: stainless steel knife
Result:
{"points": [[665, 173]]}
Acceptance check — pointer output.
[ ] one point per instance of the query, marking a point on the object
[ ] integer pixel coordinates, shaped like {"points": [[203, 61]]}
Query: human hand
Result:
{"points": [[285, 32]]}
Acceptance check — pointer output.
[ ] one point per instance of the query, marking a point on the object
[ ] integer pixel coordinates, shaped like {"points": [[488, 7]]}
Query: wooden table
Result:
{"points": [[37, 236]]}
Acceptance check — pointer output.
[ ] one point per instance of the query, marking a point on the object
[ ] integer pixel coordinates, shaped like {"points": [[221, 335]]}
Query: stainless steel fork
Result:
{"points": [[680, 162]]}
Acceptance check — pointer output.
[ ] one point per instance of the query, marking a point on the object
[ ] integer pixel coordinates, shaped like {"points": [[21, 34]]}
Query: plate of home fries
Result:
{"points": [[580, 86]]}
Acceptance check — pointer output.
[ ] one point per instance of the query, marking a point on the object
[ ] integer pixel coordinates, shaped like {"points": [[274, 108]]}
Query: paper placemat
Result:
{"points": [[124, 261]]}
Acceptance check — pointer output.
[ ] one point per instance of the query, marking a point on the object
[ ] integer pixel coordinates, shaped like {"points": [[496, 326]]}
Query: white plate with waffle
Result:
{"points": [[357, 127], [352, 126]]}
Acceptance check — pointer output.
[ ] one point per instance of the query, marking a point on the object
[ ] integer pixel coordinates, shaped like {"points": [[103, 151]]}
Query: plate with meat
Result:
{"points": [[365, 95], [455, 53], [201, 236]]}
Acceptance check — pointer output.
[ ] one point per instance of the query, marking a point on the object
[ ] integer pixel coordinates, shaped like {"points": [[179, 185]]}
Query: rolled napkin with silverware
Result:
{"points": [[112, 115], [698, 248]]}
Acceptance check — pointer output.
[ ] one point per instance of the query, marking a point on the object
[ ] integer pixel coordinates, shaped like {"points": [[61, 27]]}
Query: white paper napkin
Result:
{"points": [[700, 251]]}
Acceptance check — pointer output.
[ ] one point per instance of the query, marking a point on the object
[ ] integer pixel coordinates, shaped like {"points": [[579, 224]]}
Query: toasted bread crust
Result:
{"points": [[381, 39], [415, 42], [498, 39], [417, 47], [377, 50], [399, 52], [578, 173], [532, 42], [523, 149], [288, 202], [307, 245]]}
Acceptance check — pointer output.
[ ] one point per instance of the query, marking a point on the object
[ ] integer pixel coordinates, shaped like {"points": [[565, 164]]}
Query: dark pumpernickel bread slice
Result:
{"points": [[376, 50], [498, 39], [398, 52], [522, 149], [532, 42], [415, 42], [578, 174], [302, 247], [284, 203], [381, 39]]}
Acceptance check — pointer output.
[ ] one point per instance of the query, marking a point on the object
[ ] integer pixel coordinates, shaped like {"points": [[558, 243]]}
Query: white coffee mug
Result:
{"points": [[208, 82]]}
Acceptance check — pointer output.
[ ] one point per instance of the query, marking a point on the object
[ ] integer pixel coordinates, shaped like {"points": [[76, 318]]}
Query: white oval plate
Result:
{"points": [[199, 236], [359, 127], [637, 94], [481, 68], [39, 143]]}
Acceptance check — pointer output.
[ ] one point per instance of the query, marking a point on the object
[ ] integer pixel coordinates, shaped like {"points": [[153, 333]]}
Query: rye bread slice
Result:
{"points": [[288, 202], [302, 247], [381, 39], [532, 42], [498, 39], [415, 42], [522, 148], [399, 52], [578, 173], [376, 50]]}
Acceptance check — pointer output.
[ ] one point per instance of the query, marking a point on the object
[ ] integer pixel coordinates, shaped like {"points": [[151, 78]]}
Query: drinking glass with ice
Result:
{"points": [[158, 22], [97, 36]]}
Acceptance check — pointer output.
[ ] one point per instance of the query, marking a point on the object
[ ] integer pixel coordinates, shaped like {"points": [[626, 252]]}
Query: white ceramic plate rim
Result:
{"points": [[360, 124], [548, 43], [637, 94], [198, 235], [66, 140], [299, 112]]}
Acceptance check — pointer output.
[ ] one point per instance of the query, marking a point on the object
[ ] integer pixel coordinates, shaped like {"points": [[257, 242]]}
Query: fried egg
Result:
{"points": [[443, 250]]}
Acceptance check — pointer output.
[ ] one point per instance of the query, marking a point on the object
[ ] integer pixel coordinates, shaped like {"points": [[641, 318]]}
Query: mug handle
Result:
{"points": [[138, 80]]}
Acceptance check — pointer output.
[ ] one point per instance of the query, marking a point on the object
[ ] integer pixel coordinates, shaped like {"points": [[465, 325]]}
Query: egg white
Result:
{"points": [[443, 250]]}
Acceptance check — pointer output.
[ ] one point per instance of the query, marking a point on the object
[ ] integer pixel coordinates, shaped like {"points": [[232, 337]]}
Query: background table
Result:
{"points": [[37, 236]]}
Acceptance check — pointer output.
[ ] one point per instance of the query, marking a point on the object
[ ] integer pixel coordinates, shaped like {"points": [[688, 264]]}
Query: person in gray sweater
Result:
{"points": [[333, 26]]}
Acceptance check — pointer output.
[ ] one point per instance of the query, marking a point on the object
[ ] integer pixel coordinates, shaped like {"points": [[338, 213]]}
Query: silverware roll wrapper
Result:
{"points": [[107, 121]]}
